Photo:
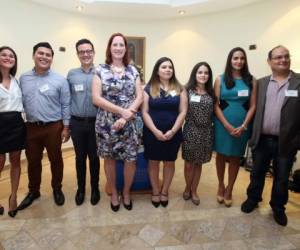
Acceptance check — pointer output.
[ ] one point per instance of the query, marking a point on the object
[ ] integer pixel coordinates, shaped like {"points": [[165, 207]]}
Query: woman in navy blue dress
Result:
{"points": [[164, 110]]}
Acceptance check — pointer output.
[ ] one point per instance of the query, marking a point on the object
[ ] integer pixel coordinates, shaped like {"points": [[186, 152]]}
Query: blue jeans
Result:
{"points": [[265, 152]]}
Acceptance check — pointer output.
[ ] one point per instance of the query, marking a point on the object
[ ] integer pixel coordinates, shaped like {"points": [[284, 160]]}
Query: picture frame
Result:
{"points": [[136, 53]]}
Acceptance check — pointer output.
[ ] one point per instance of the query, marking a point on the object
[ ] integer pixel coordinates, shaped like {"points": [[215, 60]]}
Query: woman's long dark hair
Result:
{"points": [[154, 81], [192, 83], [245, 74], [13, 70]]}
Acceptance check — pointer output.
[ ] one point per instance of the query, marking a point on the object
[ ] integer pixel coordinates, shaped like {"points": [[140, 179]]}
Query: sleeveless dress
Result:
{"points": [[163, 111], [122, 144], [197, 143], [234, 103]]}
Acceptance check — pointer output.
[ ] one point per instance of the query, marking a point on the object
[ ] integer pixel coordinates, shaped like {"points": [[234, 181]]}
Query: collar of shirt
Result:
{"points": [[272, 79], [91, 68], [46, 73]]}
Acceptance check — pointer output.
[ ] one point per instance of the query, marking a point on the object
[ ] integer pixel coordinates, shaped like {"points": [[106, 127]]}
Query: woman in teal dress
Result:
{"points": [[235, 91]]}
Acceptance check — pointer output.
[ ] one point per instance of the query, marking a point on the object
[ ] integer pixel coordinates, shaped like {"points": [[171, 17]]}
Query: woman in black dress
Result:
{"points": [[164, 110], [12, 128]]}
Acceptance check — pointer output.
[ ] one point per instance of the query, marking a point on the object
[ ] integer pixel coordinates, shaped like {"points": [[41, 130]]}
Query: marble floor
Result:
{"points": [[180, 226]]}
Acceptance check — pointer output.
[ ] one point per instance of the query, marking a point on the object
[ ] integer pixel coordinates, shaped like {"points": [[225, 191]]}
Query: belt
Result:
{"points": [[83, 119], [273, 137], [41, 123]]}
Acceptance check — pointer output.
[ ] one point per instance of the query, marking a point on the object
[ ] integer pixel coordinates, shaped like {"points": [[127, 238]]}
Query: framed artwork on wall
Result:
{"points": [[136, 52]]}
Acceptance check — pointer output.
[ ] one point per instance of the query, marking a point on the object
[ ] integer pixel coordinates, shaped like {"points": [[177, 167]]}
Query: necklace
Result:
{"points": [[118, 70]]}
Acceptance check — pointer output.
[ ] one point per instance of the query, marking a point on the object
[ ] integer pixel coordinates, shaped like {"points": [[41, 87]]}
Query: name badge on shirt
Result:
{"points": [[44, 88], [244, 92], [195, 98], [291, 93], [173, 93], [78, 87]]}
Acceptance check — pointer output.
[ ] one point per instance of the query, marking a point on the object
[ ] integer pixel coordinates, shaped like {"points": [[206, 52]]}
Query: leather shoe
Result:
{"points": [[248, 206], [59, 197], [79, 198], [280, 217], [114, 208], [95, 196], [30, 197], [128, 206], [1, 210]]}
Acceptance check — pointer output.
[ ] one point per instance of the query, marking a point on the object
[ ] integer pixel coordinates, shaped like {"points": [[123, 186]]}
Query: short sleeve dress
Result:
{"points": [[234, 103], [119, 90], [163, 111], [197, 143]]}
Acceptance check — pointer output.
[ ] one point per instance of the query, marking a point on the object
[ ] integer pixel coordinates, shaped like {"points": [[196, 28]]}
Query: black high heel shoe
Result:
{"points": [[155, 203], [12, 213], [128, 206], [1, 210], [114, 208], [166, 202]]}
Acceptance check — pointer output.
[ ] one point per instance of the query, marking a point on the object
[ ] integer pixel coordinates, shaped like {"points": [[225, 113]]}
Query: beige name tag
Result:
{"points": [[78, 87], [291, 93], [195, 98], [244, 92], [44, 88], [173, 93]]}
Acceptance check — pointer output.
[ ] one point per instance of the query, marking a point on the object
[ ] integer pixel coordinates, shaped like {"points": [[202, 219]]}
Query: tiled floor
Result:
{"points": [[181, 225]]}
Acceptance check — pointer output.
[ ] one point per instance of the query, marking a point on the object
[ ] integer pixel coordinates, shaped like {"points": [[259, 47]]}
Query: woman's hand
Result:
{"points": [[169, 134], [127, 114], [237, 132], [119, 124], [160, 136], [230, 129]]}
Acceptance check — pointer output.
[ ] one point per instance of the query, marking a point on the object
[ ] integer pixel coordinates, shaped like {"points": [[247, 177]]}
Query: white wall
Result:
{"points": [[186, 40]]}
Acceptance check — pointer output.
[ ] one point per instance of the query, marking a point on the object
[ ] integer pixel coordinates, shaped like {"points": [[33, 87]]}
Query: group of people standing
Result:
{"points": [[101, 106]]}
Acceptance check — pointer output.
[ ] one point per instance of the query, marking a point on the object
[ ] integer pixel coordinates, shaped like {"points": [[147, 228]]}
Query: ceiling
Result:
{"points": [[144, 9]]}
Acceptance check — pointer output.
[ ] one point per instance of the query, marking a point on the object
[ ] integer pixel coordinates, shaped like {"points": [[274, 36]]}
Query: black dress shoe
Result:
{"points": [[114, 208], [248, 206], [95, 196], [280, 217], [79, 197], [59, 197], [128, 206], [30, 197]]}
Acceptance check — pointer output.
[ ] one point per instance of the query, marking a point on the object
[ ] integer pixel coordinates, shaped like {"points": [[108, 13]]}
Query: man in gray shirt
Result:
{"points": [[276, 133], [46, 99], [83, 117]]}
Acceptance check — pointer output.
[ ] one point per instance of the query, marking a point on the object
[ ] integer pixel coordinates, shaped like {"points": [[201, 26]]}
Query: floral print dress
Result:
{"points": [[119, 90]]}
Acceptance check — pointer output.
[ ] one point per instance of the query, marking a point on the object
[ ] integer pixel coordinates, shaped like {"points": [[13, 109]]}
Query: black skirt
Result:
{"points": [[12, 132]]}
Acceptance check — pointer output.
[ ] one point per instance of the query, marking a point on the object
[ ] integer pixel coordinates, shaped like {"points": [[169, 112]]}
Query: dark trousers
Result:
{"points": [[265, 152], [40, 137], [84, 141]]}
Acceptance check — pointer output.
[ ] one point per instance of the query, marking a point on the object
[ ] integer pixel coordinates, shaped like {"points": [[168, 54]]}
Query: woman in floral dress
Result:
{"points": [[118, 94]]}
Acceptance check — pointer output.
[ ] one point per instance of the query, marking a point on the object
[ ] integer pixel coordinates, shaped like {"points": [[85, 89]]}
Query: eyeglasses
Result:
{"points": [[278, 58], [88, 52]]}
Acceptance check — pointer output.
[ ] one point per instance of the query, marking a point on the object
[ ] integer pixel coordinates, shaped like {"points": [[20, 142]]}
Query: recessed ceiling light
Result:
{"points": [[79, 8], [181, 12]]}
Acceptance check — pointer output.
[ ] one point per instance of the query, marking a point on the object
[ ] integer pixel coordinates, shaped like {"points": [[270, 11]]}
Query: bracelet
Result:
{"points": [[244, 126]]}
